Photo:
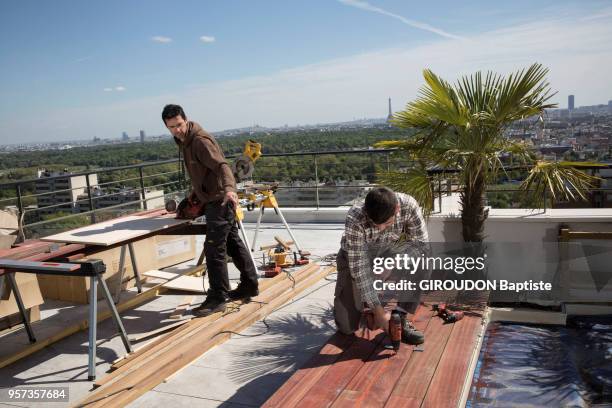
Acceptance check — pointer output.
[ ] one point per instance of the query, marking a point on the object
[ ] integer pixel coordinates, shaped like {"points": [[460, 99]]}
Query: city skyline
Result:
{"points": [[117, 65]]}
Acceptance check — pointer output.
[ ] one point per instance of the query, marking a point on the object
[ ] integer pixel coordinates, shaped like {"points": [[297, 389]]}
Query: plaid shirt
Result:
{"points": [[361, 233]]}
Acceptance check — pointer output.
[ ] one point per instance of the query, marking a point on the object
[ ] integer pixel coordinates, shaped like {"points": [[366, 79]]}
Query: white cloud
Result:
{"points": [[358, 86], [161, 39], [83, 59], [364, 5], [207, 39], [606, 13], [118, 88]]}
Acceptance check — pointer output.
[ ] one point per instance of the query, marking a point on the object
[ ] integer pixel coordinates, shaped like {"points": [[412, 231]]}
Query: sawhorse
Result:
{"points": [[266, 199], [191, 228], [94, 269]]}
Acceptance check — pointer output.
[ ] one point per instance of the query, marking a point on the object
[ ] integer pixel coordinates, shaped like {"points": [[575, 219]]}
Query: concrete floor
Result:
{"points": [[244, 371]]}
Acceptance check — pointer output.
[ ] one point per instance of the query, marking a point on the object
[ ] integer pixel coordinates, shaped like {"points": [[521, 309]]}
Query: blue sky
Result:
{"points": [[79, 69]]}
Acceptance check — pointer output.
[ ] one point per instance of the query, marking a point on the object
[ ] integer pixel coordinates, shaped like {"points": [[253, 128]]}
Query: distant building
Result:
{"points": [[570, 102], [142, 136], [60, 194], [125, 137], [125, 198], [390, 115]]}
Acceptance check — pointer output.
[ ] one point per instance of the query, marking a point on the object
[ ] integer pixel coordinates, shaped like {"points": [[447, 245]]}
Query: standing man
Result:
{"points": [[384, 219], [214, 186]]}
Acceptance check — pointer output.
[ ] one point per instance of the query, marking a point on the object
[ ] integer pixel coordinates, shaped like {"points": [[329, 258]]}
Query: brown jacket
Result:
{"points": [[211, 176]]}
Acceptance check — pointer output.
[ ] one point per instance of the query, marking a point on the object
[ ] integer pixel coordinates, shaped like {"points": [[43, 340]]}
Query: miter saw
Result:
{"points": [[244, 165], [260, 196]]}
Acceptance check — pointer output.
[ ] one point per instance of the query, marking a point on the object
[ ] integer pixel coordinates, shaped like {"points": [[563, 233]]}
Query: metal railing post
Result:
{"points": [[142, 189], [21, 214], [181, 187], [91, 204], [388, 162], [316, 180]]}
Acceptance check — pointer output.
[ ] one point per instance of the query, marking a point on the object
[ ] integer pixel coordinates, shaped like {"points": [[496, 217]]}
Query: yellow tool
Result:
{"points": [[279, 256], [266, 199], [252, 195], [243, 166]]}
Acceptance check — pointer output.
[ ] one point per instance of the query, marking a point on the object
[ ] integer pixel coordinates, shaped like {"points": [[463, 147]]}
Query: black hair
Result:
{"points": [[171, 111], [380, 204]]}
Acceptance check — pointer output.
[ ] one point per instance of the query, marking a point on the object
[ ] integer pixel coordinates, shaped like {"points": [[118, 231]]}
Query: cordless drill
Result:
{"points": [[447, 315], [395, 329], [397, 323]]}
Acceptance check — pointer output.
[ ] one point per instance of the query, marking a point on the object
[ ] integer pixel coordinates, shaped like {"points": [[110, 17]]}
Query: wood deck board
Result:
{"points": [[417, 375], [335, 379], [433, 377], [447, 383], [294, 389], [374, 389]]}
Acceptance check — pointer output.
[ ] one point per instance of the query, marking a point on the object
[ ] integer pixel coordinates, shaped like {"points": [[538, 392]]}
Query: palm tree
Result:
{"points": [[462, 126]]}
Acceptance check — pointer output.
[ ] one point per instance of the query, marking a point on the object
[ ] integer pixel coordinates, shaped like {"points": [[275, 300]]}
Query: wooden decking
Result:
{"points": [[360, 371]]}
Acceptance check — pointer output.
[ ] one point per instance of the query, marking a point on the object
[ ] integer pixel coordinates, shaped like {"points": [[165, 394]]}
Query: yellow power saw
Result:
{"points": [[243, 166]]}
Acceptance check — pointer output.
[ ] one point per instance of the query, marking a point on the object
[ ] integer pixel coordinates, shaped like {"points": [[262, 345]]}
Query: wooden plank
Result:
{"points": [[116, 231], [138, 359], [103, 314], [27, 248], [162, 365], [447, 383], [414, 381], [587, 235], [264, 284], [335, 379], [187, 284], [172, 364], [157, 331], [374, 382], [38, 252], [294, 389], [177, 281], [137, 352], [182, 308], [154, 273]]}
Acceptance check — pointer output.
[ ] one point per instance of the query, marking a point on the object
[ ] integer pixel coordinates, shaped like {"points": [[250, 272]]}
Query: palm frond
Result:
{"points": [[523, 94], [415, 182], [561, 179]]}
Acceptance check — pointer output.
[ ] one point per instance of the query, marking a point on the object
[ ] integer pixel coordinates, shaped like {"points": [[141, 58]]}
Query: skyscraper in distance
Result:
{"points": [[142, 136], [570, 102], [390, 115]]}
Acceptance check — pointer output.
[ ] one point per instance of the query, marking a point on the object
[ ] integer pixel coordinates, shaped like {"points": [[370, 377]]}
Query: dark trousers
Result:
{"points": [[347, 300], [222, 238]]}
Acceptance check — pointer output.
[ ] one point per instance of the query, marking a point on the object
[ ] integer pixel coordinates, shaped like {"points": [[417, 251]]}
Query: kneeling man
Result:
{"points": [[384, 219]]}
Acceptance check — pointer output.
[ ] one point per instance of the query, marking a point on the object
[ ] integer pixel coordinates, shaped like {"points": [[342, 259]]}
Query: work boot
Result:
{"points": [[410, 335], [243, 291], [211, 305]]}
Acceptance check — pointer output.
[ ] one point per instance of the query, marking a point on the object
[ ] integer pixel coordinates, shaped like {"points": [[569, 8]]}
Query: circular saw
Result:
{"points": [[244, 165]]}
